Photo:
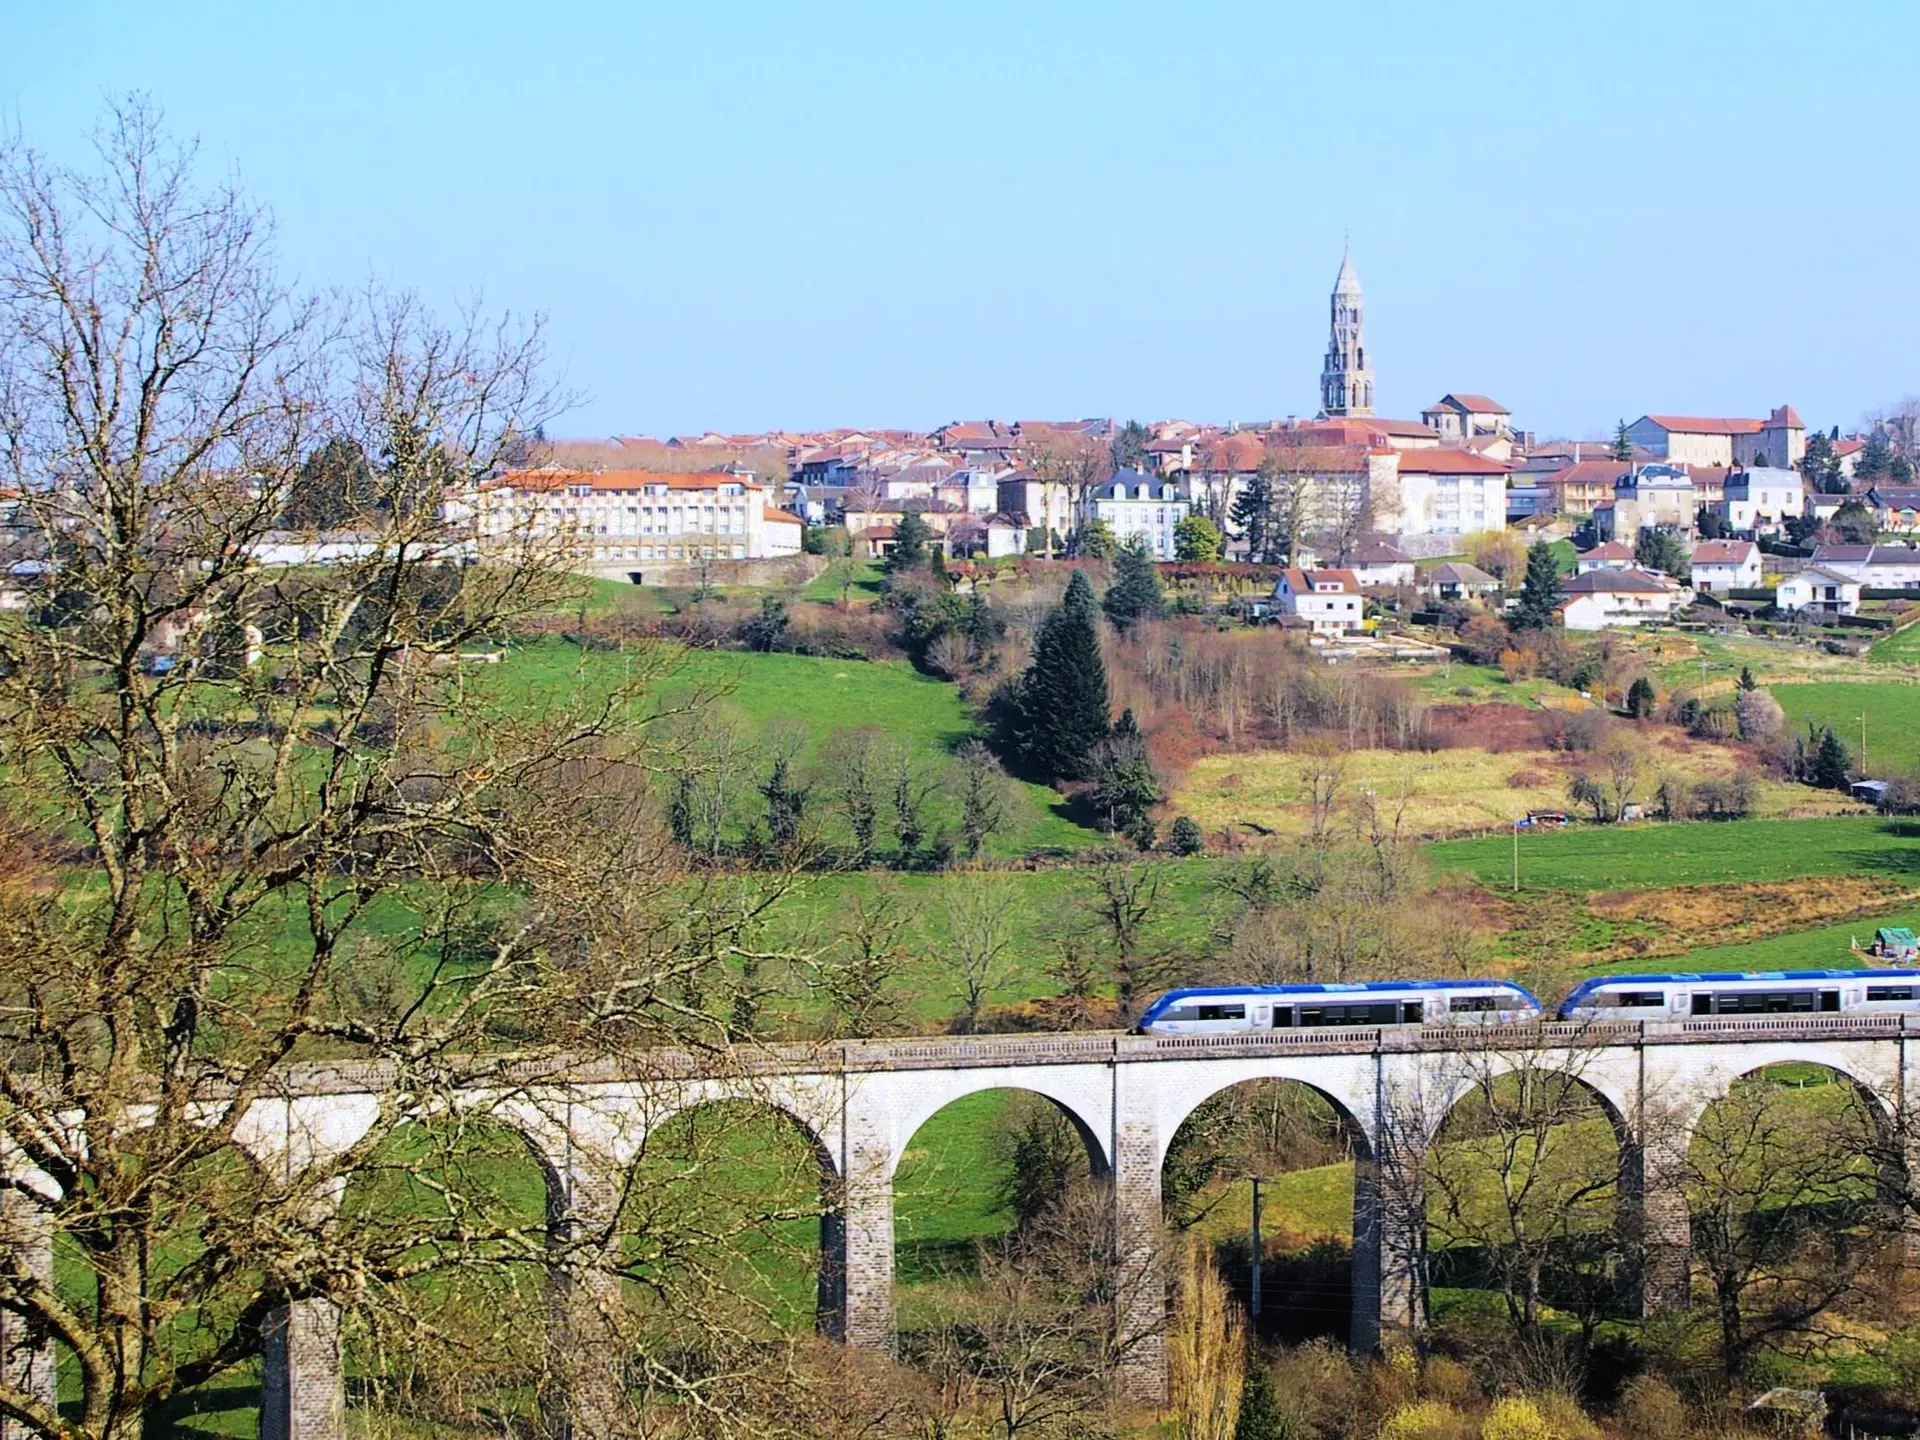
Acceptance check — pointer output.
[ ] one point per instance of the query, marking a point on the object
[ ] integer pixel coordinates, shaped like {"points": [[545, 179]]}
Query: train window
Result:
{"points": [[1641, 999], [1830, 1000], [1382, 1014], [1768, 1002], [1181, 1012], [1413, 1012], [1223, 1012], [1890, 992], [1703, 1004], [1282, 1017], [1473, 1004]]}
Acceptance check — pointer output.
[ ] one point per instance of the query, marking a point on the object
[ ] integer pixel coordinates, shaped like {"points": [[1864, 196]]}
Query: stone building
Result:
{"points": [[1346, 384]]}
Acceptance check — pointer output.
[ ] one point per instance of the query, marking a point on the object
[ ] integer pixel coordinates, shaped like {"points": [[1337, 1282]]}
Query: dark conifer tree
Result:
{"points": [[1252, 515], [1061, 710], [1540, 592], [1622, 445], [1135, 594], [909, 544]]}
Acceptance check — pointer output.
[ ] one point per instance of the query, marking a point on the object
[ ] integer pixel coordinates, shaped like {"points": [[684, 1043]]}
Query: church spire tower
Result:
{"points": [[1346, 384]]}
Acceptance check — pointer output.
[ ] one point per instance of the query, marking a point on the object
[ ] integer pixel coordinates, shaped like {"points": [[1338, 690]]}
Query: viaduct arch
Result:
{"points": [[861, 1103]]}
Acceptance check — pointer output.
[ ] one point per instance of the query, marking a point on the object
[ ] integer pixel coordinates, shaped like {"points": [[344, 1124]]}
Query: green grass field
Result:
{"points": [[1892, 712], [1646, 856], [767, 692]]}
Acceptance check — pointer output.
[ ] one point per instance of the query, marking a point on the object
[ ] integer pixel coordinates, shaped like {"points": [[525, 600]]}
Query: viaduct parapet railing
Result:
{"points": [[861, 1103]]}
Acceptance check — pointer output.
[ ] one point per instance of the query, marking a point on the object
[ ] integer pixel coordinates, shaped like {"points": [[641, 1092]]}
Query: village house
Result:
{"points": [[1328, 601], [1457, 580], [1761, 500], [1611, 555], [1817, 590], [1043, 505], [1896, 507], [1619, 599], [1138, 506], [1649, 497], [1459, 418], [1779, 440], [1876, 567], [1722, 565], [1379, 566]]}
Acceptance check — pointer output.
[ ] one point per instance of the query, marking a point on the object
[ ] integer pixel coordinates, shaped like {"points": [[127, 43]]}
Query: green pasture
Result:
{"points": [[1891, 710], [1652, 855]]}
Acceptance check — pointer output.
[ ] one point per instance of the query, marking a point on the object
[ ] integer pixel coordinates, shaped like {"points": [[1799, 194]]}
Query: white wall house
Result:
{"points": [[1330, 601], [1780, 439], [1762, 500], [1618, 599], [1611, 555], [614, 517], [1138, 505], [1723, 565], [1877, 567], [1817, 590], [1377, 566]]}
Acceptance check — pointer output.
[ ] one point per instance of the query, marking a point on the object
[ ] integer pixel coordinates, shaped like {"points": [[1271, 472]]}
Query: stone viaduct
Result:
{"points": [[861, 1103]]}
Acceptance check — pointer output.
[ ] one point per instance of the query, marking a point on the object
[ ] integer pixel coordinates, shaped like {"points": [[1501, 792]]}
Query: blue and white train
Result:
{"points": [[1683, 996], [1229, 1010], [1226, 1010]]}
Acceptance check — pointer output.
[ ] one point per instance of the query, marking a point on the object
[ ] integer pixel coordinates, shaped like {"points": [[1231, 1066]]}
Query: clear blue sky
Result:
{"points": [[740, 216]]}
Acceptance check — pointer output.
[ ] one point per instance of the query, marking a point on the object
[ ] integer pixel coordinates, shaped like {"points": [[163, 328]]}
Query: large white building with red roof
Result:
{"points": [[616, 518]]}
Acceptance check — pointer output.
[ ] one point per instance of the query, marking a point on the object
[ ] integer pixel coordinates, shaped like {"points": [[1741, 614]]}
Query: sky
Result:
{"points": [[798, 215]]}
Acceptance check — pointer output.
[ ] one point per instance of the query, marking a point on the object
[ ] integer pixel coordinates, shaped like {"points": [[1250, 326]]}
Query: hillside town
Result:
{"points": [[1717, 517]]}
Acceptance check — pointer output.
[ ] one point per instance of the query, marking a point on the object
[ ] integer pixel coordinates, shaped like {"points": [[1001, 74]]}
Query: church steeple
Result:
{"points": [[1346, 384]]}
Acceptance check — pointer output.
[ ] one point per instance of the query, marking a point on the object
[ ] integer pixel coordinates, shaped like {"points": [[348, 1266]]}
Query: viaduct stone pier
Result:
{"points": [[861, 1103]]}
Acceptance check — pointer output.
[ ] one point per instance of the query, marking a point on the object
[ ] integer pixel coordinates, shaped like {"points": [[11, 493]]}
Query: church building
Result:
{"points": [[1346, 384]]}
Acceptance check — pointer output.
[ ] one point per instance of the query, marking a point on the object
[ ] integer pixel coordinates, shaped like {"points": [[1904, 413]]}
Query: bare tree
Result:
{"points": [[858, 974], [1785, 1197], [985, 793], [1324, 774], [1079, 464], [1292, 513], [980, 932], [329, 843], [850, 766]]}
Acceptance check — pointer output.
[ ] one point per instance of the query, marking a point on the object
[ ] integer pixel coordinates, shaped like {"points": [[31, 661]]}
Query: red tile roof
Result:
{"points": [[1449, 462], [1477, 404], [1722, 552], [1708, 424], [785, 517], [622, 479], [1612, 550]]}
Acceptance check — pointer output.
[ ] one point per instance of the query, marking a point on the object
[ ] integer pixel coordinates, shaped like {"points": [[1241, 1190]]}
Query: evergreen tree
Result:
{"points": [[1854, 524], [1185, 838], [909, 544], [1135, 593], [1711, 526], [1060, 709], [1261, 1417], [1130, 447], [1640, 698], [333, 484], [786, 803], [1540, 592], [1747, 682], [1820, 467], [1831, 762], [1127, 785], [1096, 540], [1901, 470], [1252, 514], [1876, 460], [1622, 446], [1661, 550], [1196, 541]]}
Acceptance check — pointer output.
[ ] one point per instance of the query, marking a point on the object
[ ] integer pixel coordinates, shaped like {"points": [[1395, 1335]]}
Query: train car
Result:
{"points": [[1236, 1010], [1684, 996]]}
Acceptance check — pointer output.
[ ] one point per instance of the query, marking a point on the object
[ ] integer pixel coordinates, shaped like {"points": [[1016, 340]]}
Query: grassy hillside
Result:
{"points": [[1892, 712], [1655, 855]]}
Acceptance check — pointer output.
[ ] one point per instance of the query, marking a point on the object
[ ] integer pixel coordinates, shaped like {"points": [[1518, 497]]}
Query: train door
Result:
{"points": [[1412, 1012], [1262, 1016]]}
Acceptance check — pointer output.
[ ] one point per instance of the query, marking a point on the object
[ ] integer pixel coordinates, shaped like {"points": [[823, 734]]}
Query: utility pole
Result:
{"points": [[1253, 1307], [1516, 857], [1863, 742]]}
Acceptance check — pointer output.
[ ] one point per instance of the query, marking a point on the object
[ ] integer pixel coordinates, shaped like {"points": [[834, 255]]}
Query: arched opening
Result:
{"points": [[454, 1209], [721, 1225], [971, 1177], [1786, 1182], [1523, 1186], [1301, 1145]]}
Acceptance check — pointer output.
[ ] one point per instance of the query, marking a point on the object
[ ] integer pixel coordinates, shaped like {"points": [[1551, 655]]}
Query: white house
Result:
{"points": [[1649, 497], [1817, 590], [1328, 600], [1611, 555], [1896, 507], [1618, 599], [1461, 417], [1762, 499], [785, 532], [1780, 439], [1378, 565], [1137, 505], [1457, 580], [1876, 567], [1723, 565]]}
